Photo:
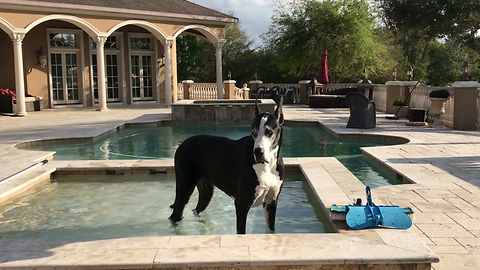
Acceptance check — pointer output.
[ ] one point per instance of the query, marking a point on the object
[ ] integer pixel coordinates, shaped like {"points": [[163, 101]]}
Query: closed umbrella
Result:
{"points": [[324, 68]]}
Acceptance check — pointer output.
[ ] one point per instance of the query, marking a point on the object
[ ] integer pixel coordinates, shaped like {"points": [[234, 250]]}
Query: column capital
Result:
{"points": [[168, 43], [220, 43], [100, 41], [17, 38]]}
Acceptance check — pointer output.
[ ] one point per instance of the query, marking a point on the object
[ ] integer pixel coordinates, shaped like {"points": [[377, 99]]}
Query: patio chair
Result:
{"points": [[331, 99], [362, 111], [287, 94], [32, 103]]}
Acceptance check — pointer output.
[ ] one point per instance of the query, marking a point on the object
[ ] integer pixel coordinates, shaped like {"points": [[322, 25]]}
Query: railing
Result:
{"points": [[203, 91], [179, 91], [447, 117], [238, 93], [420, 98], [282, 87], [199, 91], [380, 97], [335, 86]]}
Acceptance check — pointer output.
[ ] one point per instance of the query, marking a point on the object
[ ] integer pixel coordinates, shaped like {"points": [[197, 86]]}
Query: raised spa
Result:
{"points": [[219, 111]]}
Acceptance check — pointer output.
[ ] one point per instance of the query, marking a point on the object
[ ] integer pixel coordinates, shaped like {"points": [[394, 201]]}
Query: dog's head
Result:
{"points": [[267, 134]]}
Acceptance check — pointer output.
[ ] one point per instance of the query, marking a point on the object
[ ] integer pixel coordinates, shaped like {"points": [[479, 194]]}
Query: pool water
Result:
{"points": [[161, 141], [101, 207]]}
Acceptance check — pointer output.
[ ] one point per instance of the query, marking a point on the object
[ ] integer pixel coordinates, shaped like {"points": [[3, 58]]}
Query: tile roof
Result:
{"points": [[173, 7]]}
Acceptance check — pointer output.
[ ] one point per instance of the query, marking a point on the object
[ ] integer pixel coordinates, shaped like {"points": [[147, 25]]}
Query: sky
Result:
{"points": [[254, 15]]}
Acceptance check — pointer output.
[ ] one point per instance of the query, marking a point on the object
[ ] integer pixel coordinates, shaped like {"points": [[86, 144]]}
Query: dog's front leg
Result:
{"points": [[242, 208], [270, 212]]}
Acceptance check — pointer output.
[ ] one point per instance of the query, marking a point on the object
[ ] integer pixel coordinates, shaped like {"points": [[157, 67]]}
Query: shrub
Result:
{"points": [[443, 93], [398, 102]]}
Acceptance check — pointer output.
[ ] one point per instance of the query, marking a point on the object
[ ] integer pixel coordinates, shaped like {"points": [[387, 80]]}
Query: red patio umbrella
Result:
{"points": [[324, 68]]}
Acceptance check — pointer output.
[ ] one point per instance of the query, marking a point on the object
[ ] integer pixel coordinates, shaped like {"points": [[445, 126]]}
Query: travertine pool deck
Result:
{"points": [[444, 164]]}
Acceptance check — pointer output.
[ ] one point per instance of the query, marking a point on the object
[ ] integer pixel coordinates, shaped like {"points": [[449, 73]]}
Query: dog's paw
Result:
{"points": [[174, 219]]}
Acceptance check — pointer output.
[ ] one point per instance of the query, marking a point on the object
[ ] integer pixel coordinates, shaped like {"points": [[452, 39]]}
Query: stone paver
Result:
{"points": [[444, 164]]}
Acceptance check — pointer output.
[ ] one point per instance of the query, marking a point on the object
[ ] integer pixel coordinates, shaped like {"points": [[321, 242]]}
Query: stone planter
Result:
{"points": [[437, 109], [403, 112], [438, 105]]}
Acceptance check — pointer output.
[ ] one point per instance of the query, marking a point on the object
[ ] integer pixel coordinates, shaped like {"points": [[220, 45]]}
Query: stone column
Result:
{"points": [[397, 90], [218, 55], [17, 39], [229, 86], [465, 105], [303, 90], [478, 111], [168, 72], [187, 89], [102, 88], [254, 86]]}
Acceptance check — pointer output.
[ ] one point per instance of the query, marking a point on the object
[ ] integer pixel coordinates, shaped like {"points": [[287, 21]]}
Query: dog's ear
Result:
{"points": [[278, 112], [257, 109]]}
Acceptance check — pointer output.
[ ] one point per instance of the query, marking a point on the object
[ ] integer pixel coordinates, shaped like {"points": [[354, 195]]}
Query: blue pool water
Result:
{"points": [[113, 206], [161, 141], [90, 207]]}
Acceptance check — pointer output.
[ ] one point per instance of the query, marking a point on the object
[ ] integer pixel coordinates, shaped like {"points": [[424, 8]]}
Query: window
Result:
{"points": [[140, 43], [63, 40]]}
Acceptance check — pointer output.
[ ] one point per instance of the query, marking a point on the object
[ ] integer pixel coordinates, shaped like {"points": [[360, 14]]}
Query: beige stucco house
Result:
{"points": [[93, 52]]}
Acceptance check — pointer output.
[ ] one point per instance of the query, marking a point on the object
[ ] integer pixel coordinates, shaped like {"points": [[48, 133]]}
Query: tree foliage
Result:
{"points": [[417, 23], [195, 59], [434, 36], [344, 28], [197, 62]]}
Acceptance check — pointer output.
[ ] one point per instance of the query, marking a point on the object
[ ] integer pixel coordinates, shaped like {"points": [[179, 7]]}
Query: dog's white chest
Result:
{"points": [[269, 184]]}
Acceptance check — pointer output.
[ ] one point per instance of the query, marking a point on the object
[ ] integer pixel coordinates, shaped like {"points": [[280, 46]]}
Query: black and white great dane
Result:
{"points": [[250, 170]]}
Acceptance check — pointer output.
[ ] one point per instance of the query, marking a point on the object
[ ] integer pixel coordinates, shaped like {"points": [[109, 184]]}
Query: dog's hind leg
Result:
{"points": [[184, 190], [205, 193], [270, 212]]}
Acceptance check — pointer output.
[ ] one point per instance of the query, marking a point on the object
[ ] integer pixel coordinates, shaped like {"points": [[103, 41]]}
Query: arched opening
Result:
{"points": [[6, 58], [192, 65], [142, 55], [63, 40]]}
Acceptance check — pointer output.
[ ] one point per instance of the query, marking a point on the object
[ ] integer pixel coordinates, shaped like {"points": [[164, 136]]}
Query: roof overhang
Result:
{"points": [[46, 7]]}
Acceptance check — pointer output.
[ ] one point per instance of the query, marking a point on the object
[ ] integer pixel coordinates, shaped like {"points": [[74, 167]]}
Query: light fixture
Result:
{"points": [[364, 74], [161, 61], [394, 74], [465, 70], [410, 73], [42, 57]]}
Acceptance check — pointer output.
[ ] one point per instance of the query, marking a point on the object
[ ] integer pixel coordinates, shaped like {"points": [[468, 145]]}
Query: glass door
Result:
{"points": [[64, 68], [111, 67], [142, 79]]}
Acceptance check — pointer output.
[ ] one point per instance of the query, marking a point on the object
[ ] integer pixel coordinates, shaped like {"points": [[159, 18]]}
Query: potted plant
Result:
{"points": [[401, 108], [437, 101]]}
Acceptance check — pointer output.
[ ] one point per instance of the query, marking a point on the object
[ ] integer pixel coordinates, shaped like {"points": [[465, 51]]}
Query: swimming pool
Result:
{"points": [[161, 141], [105, 206]]}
